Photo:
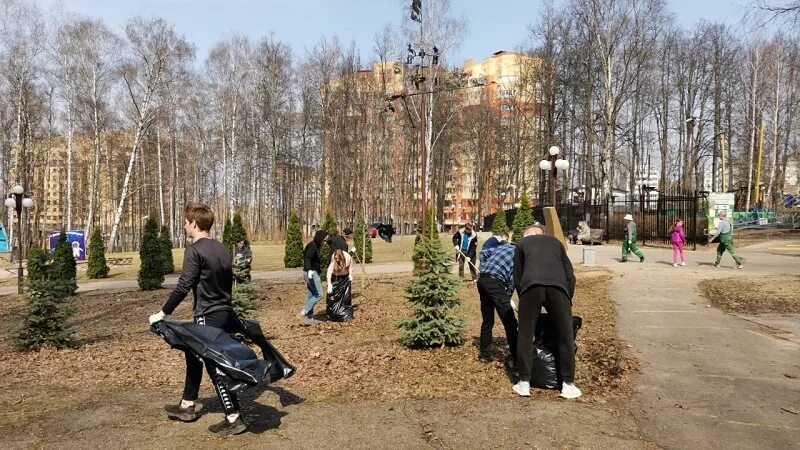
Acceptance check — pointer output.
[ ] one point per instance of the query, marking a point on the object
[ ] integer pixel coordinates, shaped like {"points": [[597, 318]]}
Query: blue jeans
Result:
{"points": [[314, 286]]}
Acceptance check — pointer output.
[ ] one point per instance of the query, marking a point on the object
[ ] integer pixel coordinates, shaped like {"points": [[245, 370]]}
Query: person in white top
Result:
{"points": [[339, 302]]}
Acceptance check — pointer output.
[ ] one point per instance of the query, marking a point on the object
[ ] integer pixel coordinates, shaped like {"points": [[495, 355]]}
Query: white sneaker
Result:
{"points": [[569, 390], [739, 267], [683, 263], [523, 388], [674, 264]]}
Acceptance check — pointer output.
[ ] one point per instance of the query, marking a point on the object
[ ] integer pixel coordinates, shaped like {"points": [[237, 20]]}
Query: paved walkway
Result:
{"points": [[710, 380]]}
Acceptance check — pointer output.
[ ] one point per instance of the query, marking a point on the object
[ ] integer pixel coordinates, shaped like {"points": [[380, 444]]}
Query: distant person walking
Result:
{"points": [[465, 241], [629, 240], [677, 236], [724, 235]]}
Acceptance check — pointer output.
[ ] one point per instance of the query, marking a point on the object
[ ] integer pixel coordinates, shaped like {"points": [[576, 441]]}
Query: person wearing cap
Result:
{"points": [[725, 235], [629, 240], [543, 276]]}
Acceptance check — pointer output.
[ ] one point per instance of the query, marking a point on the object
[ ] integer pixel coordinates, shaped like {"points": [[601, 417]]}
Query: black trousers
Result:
{"points": [[194, 365], [557, 304], [462, 261], [495, 297]]}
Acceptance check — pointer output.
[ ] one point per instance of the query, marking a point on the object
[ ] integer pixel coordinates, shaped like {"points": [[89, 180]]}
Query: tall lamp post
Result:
{"points": [[18, 200], [553, 164]]}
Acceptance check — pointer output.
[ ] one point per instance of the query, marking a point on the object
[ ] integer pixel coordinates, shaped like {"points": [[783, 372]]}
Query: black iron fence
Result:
{"points": [[654, 213]]}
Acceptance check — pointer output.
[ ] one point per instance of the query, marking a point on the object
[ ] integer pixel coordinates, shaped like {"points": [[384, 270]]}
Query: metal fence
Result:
{"points": [[653, 212]]}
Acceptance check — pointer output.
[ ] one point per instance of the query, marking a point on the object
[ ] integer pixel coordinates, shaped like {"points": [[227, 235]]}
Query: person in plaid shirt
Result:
{"points": [[495, 285]]}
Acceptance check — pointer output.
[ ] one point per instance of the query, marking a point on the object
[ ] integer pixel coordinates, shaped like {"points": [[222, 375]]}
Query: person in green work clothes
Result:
{"points": [[629, 240], [725, 235]]}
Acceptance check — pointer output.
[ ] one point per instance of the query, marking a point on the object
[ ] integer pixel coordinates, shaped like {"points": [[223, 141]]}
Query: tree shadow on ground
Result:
{"points": [[258, 417]]}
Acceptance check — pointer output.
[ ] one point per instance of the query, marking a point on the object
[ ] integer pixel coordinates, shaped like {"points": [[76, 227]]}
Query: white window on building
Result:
{"points": [[508, 107], [505, 93], [508, 79]]}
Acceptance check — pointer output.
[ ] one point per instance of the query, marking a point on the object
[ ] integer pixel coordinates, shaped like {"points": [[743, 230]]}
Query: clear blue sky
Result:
{"points": [[492, 25]]}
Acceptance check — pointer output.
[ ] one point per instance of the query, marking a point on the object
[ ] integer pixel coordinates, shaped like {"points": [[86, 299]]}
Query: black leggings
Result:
{"points": [[194, 365], [557, 304]]}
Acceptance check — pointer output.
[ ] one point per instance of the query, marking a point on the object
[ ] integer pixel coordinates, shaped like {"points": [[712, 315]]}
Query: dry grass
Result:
{"points": [[754, 295]]}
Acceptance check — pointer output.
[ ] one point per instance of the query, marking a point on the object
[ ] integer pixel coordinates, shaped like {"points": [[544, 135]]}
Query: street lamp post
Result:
{"points": [[18, 200], [552, 164]]}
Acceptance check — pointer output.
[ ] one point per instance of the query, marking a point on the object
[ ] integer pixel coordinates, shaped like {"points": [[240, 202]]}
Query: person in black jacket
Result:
{"points": [[311, 268], [543, 276], [208, 274], [465, 241]]}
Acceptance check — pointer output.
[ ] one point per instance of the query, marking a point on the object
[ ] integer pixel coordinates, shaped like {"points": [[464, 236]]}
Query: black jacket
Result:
{"points": [[473, 242], [311, 257], [208, 274], [542, 261]]}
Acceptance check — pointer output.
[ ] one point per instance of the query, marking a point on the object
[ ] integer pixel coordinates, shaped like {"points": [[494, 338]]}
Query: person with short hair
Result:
{"points": [[495, 286], [725, 235], [465, 241], [208, 274], [543, 276], [311, 268]]}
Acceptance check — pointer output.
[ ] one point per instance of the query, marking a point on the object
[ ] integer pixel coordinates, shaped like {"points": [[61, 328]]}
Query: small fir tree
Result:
{"points": [[523, 219], [166, 250], [361, 239], [37, 264], [433, 296], [62, 271], [151, 272], [499, 226], [329, 225], [44, 323], [238, 232], [245, 300], [97, 267], [293, 253], [227, 234]]}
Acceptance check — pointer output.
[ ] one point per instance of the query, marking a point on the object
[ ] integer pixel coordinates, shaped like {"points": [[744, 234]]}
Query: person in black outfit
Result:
{"points": [[207, 273], [543, 276], [311, 268], [495, 286], [465, 241]]}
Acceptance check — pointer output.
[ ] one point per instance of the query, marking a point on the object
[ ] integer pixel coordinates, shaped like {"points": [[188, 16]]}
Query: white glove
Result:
{"points": [[157, 317], [353, 250], [455, 247], [310, 274], [330, 288], [468, 259], [350, 277]]}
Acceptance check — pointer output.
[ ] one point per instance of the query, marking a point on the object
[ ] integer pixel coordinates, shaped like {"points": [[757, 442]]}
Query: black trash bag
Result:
{"points": [[340, 302], [385, 231], [545, 368], [279, 367]]}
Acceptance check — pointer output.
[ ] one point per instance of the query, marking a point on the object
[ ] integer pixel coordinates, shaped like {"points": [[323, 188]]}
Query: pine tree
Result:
{"points": [[166, 251], [37, 264], [523, 219], [293, 253], [245, 300], [433, 234], [499, 226], [433, 296], [151, 272], [361, 238], [62, 271], [97, 267], [329, 225], [44, 323], [238, 232], [227, 234]]}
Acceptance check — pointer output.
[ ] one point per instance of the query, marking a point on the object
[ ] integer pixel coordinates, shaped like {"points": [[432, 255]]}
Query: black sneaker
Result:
{"points": [[641, 259], [175, 412], [226, 428]]}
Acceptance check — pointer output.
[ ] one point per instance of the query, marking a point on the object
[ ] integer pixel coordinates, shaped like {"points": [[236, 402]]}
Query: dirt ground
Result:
{"points": [[754, 295], [113, 386]]}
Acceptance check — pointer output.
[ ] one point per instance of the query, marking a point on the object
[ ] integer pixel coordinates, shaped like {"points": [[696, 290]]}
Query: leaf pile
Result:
{"points": [[754, 295]]}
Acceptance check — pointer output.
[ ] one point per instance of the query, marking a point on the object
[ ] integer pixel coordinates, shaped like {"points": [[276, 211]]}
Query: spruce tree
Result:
{"points": [[151, 271], [245, 300], [44, 323], [499, 226], [227, 234], [97, 267], [62, 271], [165, 241], [433, 296], [523, 219], [37, 264], [293, 250], [361, 238], [329, 225], [238, 232]]}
